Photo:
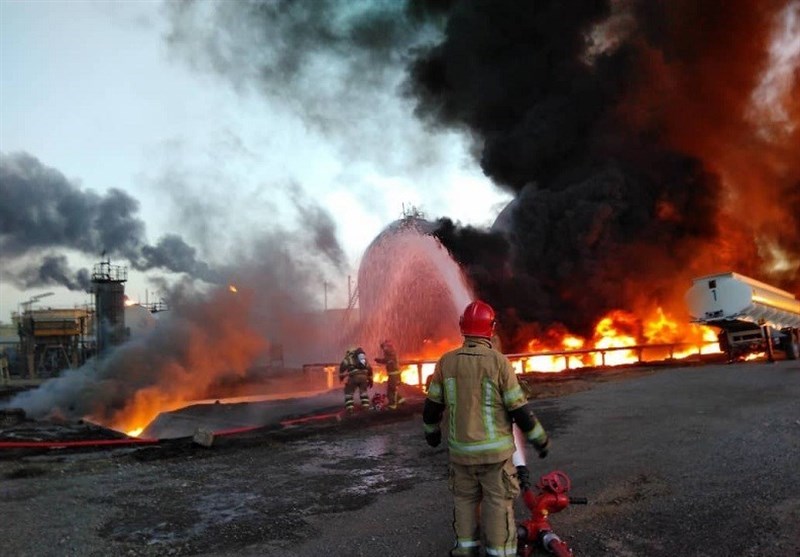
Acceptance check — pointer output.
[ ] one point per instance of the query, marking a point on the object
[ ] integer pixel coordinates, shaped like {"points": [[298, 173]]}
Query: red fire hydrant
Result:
{"points": [[551, 497]]}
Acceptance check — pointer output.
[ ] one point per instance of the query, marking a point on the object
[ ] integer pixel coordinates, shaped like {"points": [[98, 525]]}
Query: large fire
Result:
{"points": [[619, 339], [180, 362]]}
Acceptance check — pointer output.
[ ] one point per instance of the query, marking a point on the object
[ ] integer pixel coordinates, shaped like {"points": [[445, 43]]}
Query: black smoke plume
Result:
{"points": [[584, 110], [620, 127], [43, 211]]}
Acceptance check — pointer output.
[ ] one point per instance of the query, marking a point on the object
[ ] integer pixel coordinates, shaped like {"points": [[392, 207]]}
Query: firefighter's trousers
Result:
{"points": [[391, 389], [356, 381], [484, 500]]}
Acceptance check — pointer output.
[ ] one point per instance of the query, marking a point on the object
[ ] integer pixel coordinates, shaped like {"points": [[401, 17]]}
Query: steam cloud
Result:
{"points": [[335, 66]]}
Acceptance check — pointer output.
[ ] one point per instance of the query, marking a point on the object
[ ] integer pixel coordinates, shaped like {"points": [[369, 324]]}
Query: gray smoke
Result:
{"points": [[319, 228], [43, 211], [205, 338], [338, 66], [54, 270]]}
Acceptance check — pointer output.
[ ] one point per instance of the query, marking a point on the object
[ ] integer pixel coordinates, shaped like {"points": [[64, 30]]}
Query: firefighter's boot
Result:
{"points": [[465, 551]]}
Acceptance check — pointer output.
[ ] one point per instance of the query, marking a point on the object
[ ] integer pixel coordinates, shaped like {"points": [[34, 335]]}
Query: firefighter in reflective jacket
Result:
{"points": [[357, 374], [477, 387], [389, 359]]}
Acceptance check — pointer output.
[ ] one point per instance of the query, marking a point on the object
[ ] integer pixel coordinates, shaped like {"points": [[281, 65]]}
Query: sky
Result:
{"points": [[140, 97]]}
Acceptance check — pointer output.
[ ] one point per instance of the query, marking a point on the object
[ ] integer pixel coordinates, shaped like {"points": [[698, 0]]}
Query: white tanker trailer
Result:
{"points": [[748, 312]]}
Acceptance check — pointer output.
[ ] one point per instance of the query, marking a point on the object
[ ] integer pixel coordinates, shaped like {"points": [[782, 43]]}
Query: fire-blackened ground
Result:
{"points": [[694, 461]]}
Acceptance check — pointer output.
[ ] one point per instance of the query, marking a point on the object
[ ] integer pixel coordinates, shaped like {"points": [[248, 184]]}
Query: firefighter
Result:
{"points": [[477, 386], [389, 359], [356, 374]]}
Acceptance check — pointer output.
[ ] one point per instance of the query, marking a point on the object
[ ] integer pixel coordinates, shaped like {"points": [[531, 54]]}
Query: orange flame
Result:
{"points": [[619, 338], [214, 343]]}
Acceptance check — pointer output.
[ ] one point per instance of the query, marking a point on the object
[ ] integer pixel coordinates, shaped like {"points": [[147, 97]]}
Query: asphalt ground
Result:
{"points": [[693, 461]]}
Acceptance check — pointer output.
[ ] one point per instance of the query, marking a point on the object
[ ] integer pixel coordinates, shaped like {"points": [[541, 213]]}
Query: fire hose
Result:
{"points": [[551, 496], [56, 444], [82, 443]]}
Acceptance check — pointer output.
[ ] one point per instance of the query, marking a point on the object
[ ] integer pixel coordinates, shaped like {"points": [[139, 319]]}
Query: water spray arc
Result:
{"points": [[409, 289]]}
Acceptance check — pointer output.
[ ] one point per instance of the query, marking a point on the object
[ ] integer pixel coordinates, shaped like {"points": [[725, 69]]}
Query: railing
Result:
{"points": [[639, 350]]}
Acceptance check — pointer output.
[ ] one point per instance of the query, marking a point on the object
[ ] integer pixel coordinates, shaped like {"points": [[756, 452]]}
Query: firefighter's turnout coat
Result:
{"points": [[479, 388], [390, 360]]}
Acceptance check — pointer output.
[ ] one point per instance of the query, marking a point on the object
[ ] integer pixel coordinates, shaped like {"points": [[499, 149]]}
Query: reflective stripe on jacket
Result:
{"points": [[478, 387]]}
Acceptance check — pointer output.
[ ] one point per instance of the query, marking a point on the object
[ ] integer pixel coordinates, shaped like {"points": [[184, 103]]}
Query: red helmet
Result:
{"points": [[478, 320]]}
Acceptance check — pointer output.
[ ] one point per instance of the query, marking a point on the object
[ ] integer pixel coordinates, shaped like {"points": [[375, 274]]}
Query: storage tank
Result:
{"points": [[410, 290]]}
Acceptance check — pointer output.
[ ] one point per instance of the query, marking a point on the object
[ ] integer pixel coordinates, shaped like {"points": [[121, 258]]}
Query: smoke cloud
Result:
{"points": [[641, 139], [625, 131], [44, 211], [206, 337], [319, 228], [337, 67], [195, 343]]}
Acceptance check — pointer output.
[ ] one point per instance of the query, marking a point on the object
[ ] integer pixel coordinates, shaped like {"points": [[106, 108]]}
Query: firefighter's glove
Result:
{"points": [[524, 476], [542, 448], [434, 438]]}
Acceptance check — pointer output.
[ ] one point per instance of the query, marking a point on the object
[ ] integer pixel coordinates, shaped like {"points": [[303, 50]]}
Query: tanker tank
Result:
{"points": [[748, 312]]}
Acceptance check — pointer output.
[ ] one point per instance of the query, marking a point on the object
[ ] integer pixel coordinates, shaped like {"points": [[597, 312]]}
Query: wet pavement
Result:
{"points": [[691, 462]]}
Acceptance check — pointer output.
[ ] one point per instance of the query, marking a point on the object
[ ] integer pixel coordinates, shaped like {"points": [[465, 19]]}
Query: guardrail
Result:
{"points": [[639, 350]]}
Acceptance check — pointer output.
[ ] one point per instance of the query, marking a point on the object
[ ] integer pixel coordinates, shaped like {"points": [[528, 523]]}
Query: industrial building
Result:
{"points": [[41, 342]]}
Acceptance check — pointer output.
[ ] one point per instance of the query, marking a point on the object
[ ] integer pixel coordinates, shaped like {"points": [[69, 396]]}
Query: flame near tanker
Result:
{"points": [[645, 142]]}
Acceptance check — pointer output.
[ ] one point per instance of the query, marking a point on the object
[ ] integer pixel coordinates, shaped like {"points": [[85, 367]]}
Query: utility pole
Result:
{"points": [[325, 285]]}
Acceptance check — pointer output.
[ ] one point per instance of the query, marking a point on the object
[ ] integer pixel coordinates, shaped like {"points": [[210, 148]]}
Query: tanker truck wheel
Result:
{"points": [[792, 345]]}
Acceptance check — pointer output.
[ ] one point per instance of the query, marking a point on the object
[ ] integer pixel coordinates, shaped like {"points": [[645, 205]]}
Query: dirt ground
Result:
{"points": [[693, 461]]}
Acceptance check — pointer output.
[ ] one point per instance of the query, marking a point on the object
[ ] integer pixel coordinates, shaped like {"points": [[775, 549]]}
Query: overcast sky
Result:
{"points": [[97, 92]]}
